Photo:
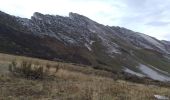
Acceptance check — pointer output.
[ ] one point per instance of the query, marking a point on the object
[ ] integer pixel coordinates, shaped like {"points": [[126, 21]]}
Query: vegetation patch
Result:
{"points": [[29, 70]]}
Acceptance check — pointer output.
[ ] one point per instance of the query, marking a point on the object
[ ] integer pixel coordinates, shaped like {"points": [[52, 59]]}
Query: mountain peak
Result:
{"points": [[37, 15], [76, 16]]}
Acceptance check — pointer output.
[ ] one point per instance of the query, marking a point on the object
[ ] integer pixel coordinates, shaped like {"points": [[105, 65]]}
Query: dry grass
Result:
{"points": [[77, 86], [73, 82]]}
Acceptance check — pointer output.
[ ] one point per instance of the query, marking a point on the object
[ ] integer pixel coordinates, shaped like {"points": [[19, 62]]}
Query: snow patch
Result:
{"points": [[151, 40], [154, 42], [159, 97], [153, 74], [91, 42], [88, 47], [112, 48], [133, 72], [92, 30]]}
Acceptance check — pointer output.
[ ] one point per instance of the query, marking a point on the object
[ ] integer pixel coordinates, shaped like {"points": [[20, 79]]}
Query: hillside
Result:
{"points": [[73, 82], [80, 40]]}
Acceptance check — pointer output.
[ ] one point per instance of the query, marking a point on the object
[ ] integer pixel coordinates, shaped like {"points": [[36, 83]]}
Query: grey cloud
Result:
{"points": [[158, 23], [141, 15]]}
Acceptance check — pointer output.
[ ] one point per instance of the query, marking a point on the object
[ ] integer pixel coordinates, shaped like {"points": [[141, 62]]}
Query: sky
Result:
{"points": [[151, 17]]}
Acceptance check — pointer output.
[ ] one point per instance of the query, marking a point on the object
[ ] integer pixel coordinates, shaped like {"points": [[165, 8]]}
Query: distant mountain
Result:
{"points": [[79, 39]]}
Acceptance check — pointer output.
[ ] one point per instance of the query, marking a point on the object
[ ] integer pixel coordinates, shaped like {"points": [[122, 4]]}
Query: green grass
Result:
{"points": [[153, 58]]}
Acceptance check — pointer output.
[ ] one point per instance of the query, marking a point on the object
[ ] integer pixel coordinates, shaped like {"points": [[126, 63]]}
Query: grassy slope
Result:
{"points": [[153, 58], [72, 82]]}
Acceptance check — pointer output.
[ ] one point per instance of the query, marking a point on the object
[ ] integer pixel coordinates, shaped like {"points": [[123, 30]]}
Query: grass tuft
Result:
{"points": [[29, 70]]}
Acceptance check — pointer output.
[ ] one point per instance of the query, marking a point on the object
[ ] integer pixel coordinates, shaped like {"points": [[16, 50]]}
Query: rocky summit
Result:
{"points": [[78, 39]]}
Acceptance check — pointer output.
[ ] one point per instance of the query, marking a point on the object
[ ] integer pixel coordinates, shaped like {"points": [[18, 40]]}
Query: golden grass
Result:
{"points": [[77, 86], [73, 82]]}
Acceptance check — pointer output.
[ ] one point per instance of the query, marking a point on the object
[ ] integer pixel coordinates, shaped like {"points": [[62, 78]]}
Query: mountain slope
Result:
{"points": [[78, 39]]}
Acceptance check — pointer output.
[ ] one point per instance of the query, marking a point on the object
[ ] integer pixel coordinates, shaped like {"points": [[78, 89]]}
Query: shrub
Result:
{"points": [[27, 70], [12, 66], [56, 68]]}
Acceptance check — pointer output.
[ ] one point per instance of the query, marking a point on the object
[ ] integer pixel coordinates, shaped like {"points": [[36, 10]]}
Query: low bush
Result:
{"points": [[28, 70]]}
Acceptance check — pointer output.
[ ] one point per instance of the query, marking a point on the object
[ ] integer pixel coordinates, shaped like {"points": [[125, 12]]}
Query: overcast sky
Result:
{"points": [[151, 17]]}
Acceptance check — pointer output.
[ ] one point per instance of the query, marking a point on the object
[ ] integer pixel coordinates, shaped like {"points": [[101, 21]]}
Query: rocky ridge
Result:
{"points": [[79, 39]]}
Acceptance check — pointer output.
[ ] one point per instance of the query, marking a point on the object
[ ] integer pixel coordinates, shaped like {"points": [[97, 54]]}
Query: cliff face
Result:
{"points": [[79, 39]]}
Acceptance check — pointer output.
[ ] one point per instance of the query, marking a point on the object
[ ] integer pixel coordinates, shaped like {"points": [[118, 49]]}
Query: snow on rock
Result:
{"points": [[41, 24], [88, 47], [133, 72], [153, 41], [112, 48], [154, 74], [67, 39], [93, 31], [160, 97], [91, 42]]}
